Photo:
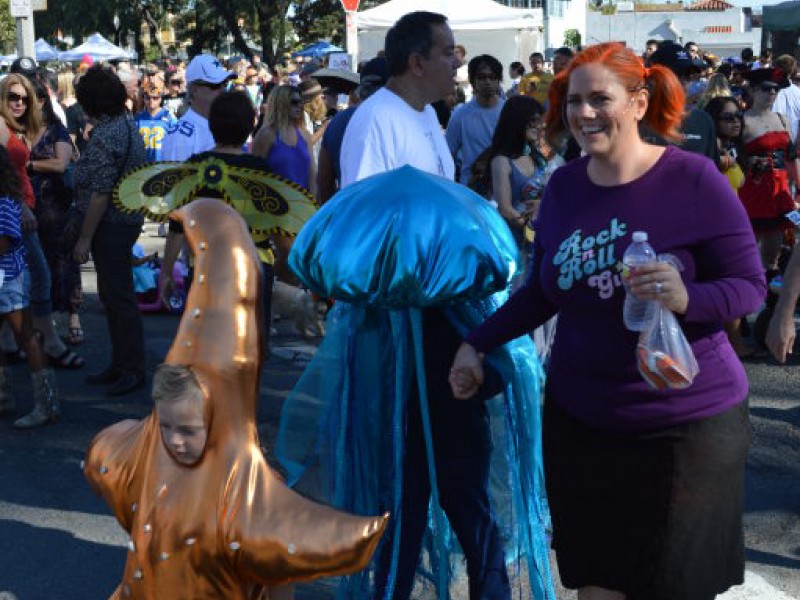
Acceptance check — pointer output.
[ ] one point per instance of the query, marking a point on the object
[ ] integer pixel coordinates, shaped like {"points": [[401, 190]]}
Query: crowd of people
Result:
{"points": [[644, 486]]}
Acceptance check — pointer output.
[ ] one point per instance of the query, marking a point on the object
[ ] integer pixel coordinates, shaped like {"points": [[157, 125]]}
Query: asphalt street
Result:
{"points": [[59, 541]]}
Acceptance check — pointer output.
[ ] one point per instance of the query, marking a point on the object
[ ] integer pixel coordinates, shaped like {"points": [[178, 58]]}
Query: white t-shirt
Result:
{"points": [[788, 104], [386, 133], [190, 135]]}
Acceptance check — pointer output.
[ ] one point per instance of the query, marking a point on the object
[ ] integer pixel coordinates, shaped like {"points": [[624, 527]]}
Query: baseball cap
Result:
{"points": [[773, 77], [674, 57], [205, 67], [25, 65]]}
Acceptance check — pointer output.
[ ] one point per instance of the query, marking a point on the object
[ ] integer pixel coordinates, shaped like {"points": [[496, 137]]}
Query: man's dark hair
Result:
{"points": [[101, 93], [231, 118], [651, 41], [412, 33], [688, 44], [517, 67], [565, 52], [481, 60], [746, 54], [539, 54], [49, 77]]}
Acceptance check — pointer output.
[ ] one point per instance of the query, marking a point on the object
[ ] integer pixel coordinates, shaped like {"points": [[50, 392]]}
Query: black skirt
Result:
{"points": [[656, 515]]}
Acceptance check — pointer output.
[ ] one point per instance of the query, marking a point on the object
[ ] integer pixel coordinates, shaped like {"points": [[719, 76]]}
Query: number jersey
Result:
{"points": [[190, 135], [153, 130]]}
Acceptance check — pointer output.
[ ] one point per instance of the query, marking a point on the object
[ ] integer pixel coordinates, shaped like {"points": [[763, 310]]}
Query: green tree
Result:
{"points": [[572, 38], [323, 19], [8, 28]]}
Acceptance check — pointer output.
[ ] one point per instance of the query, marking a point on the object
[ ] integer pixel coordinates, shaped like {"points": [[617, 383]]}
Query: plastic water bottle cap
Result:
{"points": [[639, 236]]}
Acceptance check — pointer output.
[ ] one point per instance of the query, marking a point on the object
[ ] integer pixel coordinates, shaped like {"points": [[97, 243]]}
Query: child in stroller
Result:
{"points": [[146, 270]]}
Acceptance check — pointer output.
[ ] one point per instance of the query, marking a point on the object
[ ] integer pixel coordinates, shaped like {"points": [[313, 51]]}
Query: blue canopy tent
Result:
{"points": [[317, 50], [44, 51], [99, 48]]}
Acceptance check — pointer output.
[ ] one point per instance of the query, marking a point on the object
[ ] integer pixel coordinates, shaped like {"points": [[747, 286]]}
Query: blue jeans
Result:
{"points": [[40, 301]]}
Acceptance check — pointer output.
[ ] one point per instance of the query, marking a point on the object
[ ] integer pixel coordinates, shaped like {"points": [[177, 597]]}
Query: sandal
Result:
{"points": [[75, 336], [67, 360]]}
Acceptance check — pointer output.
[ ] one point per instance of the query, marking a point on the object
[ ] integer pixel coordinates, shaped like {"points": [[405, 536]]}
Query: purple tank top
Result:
{"points": [[291, 162]]}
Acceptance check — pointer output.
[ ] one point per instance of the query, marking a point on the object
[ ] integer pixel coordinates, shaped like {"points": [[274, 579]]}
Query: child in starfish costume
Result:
{"points": [[224, 526]]}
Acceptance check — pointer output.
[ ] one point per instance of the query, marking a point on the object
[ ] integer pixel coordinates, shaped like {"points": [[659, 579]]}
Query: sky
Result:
{"points": [[756, 4]]}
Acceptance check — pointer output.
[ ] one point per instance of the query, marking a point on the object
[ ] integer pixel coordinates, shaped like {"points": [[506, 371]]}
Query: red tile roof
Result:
{"points": [[709, 5]]}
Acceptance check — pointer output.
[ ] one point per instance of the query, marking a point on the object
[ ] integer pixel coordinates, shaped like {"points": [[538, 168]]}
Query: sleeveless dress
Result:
{"points": [[291, 162], [765, 195], [19, 154]]}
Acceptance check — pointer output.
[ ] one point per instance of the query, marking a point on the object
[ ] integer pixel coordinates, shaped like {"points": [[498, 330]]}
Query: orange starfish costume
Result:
{"points": [[225, 527]]}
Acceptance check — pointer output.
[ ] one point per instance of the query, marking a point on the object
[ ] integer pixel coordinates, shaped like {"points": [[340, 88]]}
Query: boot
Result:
{"points": [[7, 403], [46, 407]]}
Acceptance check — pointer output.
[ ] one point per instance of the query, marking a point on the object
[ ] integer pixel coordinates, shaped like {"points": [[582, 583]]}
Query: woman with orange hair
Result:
{"points": [[645, 485]]}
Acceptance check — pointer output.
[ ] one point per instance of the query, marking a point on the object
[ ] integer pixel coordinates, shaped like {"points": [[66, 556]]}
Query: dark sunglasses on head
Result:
{"points": [[730, 117], [12, 97]]}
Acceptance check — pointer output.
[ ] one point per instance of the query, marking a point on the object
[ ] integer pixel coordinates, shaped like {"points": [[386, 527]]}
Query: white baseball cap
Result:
{"points": [[205, 67]]}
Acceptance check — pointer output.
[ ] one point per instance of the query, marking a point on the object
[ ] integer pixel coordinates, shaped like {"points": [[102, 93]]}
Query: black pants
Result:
{"points": [[462, 451], [112, 246]]}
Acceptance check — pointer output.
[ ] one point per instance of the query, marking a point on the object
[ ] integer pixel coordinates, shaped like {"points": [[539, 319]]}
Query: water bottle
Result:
{"points": [[637, 313]]}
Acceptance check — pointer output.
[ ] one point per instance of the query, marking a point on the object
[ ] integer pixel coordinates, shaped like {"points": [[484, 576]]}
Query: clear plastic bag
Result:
{"points": [[663, 354]]}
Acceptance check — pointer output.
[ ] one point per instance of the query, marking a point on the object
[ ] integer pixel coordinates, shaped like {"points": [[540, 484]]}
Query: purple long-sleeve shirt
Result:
{"points": [[688, 210]]}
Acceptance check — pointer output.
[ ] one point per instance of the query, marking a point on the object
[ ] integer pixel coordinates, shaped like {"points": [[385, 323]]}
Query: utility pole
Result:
{"points": [[350, 8], [545, 25], [22, 11]]}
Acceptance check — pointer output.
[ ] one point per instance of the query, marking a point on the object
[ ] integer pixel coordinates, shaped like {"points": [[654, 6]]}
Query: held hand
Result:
{"points": [[660, 281], [780, 336], [28, 219], [166, 288], [466, 374], [81, 252]]}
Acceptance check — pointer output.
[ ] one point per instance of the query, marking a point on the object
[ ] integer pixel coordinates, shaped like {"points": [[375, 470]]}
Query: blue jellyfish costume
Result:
{"points": [[385, 248]]}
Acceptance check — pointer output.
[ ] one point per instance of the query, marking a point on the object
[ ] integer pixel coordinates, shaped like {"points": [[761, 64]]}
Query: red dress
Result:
{"points": [[19, 154], [765, 195]]}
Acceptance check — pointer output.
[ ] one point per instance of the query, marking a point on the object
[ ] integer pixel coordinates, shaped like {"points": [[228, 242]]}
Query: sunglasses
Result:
{"points": [[175, 81], [730, 117], [12, 97], [296, 102], [768, 87]]}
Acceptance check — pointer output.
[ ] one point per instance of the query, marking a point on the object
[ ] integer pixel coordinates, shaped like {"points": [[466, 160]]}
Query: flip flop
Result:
{"points": [[75, 336], [67, 360]]}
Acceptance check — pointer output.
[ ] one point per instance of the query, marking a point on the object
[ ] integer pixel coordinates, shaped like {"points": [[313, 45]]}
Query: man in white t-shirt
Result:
{"points": [[788, 100], [205, 79], [396, 126]]}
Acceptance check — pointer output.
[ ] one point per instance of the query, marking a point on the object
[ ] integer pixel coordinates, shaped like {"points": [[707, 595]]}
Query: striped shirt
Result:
{"points": [[13, 261]]}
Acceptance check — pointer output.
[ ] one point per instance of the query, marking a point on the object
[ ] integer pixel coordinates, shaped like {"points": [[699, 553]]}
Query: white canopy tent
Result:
{"points": [[481, 26], [99, 48]]}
